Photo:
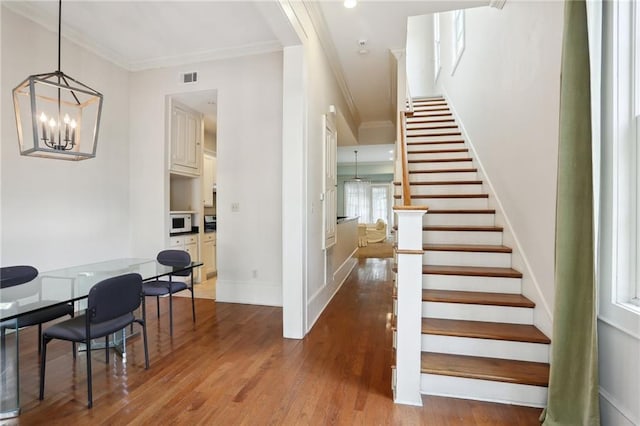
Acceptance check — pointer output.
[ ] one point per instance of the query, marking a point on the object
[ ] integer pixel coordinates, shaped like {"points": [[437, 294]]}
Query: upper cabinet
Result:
{"points": [[208, 179], [186, 140]]}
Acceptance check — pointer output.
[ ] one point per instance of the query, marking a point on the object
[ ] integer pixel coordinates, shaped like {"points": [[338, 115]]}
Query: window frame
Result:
{"points": [[436, 47], [458, 37]]}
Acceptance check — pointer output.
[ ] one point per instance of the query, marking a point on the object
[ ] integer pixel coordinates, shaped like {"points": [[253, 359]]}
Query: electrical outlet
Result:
{"points": [[235, 207]]}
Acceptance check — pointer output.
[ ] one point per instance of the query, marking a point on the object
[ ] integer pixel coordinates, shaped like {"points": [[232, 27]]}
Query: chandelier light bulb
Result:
{"points": [[43, 117]]}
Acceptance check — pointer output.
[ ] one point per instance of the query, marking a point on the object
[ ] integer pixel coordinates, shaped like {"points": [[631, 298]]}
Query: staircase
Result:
{"points": [[478, 338]]}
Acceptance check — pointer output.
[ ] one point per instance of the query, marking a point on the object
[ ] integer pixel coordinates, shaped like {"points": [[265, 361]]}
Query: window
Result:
{"points": [[458, 38], [436, 46], [368, 201], [622, 168]]}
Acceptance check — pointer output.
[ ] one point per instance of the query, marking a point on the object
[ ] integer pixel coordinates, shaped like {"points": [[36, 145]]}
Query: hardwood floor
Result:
{"points": [[233, 367]]}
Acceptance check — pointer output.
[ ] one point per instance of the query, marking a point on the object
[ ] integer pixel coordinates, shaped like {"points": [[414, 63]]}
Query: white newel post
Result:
{"points": [[409, 304]]}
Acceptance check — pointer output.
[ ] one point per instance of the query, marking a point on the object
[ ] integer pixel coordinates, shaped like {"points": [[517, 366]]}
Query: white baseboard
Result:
{"points": [[319, 301], [613, 413], [249, 292]]}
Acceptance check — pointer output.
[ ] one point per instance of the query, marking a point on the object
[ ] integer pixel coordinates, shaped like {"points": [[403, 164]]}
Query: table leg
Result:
{"points": [[9, 371]]}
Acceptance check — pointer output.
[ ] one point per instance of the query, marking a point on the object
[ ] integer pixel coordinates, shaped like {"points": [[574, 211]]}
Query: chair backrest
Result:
{"points": [[175, 258], [114, 297], [16, 275]]}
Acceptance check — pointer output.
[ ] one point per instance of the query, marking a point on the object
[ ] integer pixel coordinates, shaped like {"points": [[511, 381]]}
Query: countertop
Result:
{"points": [[343, 219]]}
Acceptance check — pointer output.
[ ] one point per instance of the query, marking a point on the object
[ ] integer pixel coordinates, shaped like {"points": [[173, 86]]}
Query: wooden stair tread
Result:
{"points": [[484, 330], [475, 248], [414, 143], [444, 182], [438, 151], [477, 298], [494, 369], [471, 228], [438, 127], [461, 211], [440, 160], [438, 114], [467, 170], [474, 271], [417, 196], [435, 135]]}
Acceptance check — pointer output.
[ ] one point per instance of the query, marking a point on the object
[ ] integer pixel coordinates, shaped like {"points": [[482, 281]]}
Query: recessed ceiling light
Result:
{"points": [[350, 4]]}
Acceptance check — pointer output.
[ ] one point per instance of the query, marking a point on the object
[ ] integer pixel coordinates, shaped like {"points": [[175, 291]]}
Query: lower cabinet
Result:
{"points": [[188, 243], [209, 253]]}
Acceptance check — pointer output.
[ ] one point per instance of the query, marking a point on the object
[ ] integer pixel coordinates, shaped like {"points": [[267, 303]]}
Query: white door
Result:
{"points": [[330, 183]]}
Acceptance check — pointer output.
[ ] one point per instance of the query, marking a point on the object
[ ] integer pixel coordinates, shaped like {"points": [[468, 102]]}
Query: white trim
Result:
{"points": [[249, 292], [545, 323], [618, 407], [612, 323], [437, 47], [318, 303], [457, 50]]}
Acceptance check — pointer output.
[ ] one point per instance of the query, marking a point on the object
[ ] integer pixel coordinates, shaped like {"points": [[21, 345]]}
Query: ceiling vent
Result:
{"points": [[189, 77]]}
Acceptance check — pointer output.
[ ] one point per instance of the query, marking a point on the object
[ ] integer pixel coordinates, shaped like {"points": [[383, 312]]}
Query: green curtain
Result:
{"points": [[573, 382]]}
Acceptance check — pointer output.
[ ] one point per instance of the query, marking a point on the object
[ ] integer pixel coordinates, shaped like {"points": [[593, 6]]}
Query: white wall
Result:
{"points": [[320, 91], [249, 170], [505, 90], [420, 58], [60, 213], [618, 327]]}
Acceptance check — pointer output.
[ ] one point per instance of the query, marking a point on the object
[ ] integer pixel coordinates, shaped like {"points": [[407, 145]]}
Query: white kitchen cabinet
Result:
{"points": [[188, 243], [208, 179], [186, 140], [209, 253]]}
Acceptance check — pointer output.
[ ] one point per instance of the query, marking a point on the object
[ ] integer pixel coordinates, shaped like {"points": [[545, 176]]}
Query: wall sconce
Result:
{"points": [[56, 115]]}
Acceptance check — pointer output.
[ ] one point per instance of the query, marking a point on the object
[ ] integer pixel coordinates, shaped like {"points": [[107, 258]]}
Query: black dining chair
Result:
{"points": [[15, 275], [110, 307], [177, 259]]}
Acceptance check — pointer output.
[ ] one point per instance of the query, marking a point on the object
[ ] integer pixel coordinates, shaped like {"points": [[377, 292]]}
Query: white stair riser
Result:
{"points": [[421, 125], [470, 283], [438, 177], [433, 133], [441, 165], [434, 146], [446, 189], [490, 313], [415, 139], [462, 237], [435, 155], [483, 390], [489, 348], [464, 258], [453, 219], [451, 203]]}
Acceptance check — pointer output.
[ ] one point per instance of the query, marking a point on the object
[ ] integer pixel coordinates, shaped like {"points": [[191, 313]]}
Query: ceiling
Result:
{"points": [[140, 35]]}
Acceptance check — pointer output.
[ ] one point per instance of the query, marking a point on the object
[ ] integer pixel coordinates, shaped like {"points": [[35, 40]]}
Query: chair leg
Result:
{"points": [[158, 305], [39, 338], [106, 348], [170, 314], [193, 305], [146, 348], [89, 388], [43, 363]]}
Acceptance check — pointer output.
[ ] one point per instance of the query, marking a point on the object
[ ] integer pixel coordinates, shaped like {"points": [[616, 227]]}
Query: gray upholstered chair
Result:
{"points": [[110, 307], [15, 275], [178, 259]]}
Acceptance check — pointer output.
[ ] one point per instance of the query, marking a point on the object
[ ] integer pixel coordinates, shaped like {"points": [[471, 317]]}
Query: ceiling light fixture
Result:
{"points": [[56, 115], [350, 4]]}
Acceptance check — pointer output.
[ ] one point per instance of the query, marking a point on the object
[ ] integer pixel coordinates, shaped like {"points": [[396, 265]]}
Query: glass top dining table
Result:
{"points": [[53, 288], [73, 283]]}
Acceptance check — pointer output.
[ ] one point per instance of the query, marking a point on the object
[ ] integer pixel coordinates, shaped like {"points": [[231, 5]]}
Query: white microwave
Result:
{"points": [[179, 222]]}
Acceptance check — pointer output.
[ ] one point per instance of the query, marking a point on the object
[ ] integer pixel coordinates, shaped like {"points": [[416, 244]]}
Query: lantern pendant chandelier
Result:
{"points": [[56, 115]]}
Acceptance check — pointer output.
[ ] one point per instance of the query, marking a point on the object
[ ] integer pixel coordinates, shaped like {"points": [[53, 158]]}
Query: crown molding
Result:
{"points": [[498, 4], [321, 29], [35, 14]]}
